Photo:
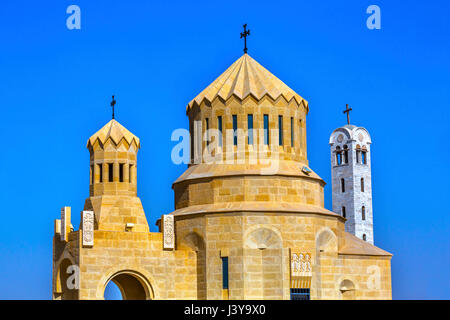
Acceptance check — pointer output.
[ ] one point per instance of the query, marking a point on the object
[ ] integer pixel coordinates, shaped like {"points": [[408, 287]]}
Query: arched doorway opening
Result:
{"points": [[112, 292], [132, 286]]}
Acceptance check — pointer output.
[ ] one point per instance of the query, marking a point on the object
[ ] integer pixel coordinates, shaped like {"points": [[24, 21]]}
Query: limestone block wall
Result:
{"points": [[117, 255], [112, 213], [171, 274], [257, 246], [239, 188]]}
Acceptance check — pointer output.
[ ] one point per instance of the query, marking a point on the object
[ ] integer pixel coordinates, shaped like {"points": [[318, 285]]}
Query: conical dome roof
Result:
{"points": [[116, 132], [243, 78]]}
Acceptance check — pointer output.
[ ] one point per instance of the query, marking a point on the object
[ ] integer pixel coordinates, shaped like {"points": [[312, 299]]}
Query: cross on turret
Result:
{"points": [[113, 103]]}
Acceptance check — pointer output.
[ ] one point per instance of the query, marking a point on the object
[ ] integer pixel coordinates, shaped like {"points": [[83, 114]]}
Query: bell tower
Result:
{"points": [[352, 179], [113, 180]]}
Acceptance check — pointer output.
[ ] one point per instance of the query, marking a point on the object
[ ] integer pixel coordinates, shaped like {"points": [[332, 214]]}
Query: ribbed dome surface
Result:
{"points": [[243, 78]]}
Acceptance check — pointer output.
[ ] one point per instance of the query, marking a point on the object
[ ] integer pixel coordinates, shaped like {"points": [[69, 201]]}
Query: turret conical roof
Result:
{"points": [[116, 132]]}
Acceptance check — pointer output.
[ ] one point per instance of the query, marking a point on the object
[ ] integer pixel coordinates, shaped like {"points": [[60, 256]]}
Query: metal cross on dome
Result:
{"points": [[244, 35]]}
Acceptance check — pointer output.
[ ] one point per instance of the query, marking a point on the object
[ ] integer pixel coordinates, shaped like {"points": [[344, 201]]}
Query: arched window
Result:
{"points": [[345, 154], [362, 184], [343, 212], [342, 185], [358, 153], [364, 155], [364, 237], [363, 213], [338, 156]]}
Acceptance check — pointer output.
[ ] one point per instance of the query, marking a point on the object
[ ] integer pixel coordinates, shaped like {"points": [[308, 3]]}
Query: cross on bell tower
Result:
{"points": [[347, 111], [244, 35]]}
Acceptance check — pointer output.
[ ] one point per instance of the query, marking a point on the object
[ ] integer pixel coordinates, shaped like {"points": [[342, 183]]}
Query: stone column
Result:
{"points": [[95, 172], [116, 171], [126, 172], [105, 172]]}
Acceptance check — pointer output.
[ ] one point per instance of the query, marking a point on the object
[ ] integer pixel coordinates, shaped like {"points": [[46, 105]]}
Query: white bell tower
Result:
{"points": [[352, 180]]}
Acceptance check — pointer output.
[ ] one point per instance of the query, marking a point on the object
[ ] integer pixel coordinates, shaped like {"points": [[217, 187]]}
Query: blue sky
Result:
{"points": [[56, 84]]}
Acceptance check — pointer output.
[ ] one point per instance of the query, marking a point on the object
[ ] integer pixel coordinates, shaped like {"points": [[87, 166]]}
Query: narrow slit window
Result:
{"points": [[100, 169], [280, 130], [292, 131], [219, 126], [225, 273], [343, 212], [191, 133], [266, 129], [250, 129], [121, 171], [364, 237], [362, 184], [363, 213], [235, 138], [207, 131], [110, 172], [342, 185], [300, 133]]}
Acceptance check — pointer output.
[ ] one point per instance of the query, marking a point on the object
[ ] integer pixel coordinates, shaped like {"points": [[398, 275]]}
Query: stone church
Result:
{"points": [[249, 220]]}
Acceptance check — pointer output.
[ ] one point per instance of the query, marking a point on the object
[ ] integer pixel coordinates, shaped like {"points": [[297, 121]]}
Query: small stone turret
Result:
{"points": [[113, 179]]}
